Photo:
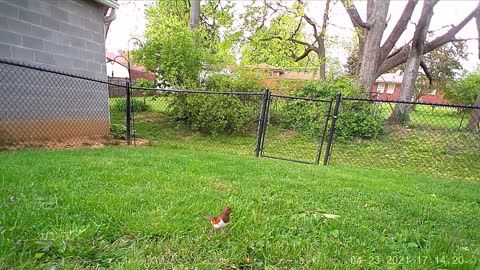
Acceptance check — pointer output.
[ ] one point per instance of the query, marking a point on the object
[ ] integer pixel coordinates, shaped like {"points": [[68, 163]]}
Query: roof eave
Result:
{"points": [[108, 3]]}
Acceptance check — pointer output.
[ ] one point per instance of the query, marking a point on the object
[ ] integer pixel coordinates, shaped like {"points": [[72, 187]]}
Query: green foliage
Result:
{"points": [[356, 121], [308, 117], [118, 131], [289, 87], [120, 105], [269, 43], [303, 116], [143, 83], [215, 113], [352, 59], [444, 66], [465, 90], [176, 52], [326, 89]]}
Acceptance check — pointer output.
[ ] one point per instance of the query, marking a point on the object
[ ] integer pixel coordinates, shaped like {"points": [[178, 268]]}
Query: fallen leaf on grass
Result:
{"points": [[332, 216]]}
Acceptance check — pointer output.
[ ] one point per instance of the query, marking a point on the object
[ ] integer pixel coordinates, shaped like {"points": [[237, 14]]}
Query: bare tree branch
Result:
{"points": [[325, 18], [353, 14], [450, 35], [398, 30], [463, 39], [400, 57], [427, 72], [304, 54], [477, 18], [313, 24]]}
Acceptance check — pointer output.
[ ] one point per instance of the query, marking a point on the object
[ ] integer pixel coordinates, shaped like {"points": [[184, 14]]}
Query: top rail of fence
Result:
{"points": [[198, 91], [53, 71], [412, 103], [301, 98]]}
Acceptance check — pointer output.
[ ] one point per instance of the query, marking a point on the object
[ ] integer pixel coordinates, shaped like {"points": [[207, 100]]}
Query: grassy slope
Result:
{"points": [[414, 151], [141, 208]]}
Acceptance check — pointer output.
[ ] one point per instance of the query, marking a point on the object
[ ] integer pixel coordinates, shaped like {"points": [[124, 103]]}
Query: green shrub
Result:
{"points": [[309, 117], [356, 121], [120, 105], [145, 83], [218, 114], [326, 89], [303, 116], [118, 131]]}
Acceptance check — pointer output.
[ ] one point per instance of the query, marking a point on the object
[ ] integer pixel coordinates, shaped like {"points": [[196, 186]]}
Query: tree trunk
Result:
{"points": [[374, 60], [371, 52], [195, 14], [402, 111], [321, 56], [473, 123], [321, 41]]}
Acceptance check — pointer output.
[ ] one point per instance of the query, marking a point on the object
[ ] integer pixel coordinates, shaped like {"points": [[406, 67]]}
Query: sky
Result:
{"points": [[130, 22]]}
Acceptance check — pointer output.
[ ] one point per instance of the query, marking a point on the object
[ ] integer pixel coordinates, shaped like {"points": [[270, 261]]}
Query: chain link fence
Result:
{"points": [[296, 128], [438, 139], [203, 120], [50, 109], [40, 107]]}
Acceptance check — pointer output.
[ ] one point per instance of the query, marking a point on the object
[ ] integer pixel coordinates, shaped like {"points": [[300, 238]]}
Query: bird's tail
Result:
{"points": [[208, 217]]}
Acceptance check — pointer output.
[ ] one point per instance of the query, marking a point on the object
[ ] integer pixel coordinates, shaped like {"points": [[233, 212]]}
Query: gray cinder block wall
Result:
{"points": [[64, 35]]}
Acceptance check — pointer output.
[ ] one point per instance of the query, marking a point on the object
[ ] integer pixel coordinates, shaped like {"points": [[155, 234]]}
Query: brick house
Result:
{"points": [[280, 81], [387, 87], [267, 74], [65, 36]]}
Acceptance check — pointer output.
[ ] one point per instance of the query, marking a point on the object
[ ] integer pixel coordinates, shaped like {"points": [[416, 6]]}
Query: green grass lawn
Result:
{"points": [[426, 116], [141, 208], [444, 153]]}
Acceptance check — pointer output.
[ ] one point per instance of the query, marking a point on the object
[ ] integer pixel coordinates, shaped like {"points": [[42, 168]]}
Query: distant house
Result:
{"points": [[65, 36], [117, 66], [295, 75], [117, 70], [276, 78], [432, 97], [269, 75], [387, 87]]}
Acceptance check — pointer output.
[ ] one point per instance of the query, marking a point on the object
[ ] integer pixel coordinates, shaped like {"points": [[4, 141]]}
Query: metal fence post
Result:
{"points": [[324, 133], [332, 128], [262, 122], [128, 112]]}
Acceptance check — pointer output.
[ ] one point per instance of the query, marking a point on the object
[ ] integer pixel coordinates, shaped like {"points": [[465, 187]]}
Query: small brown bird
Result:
{"points": [[221, 220]]}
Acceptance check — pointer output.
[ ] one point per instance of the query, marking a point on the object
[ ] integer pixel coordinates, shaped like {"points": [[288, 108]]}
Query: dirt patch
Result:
{"points": [[71, 143], [288, 134], [221, 186]]}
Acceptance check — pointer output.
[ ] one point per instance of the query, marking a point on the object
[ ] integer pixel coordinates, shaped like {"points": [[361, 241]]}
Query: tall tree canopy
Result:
{"points": [[279, 35], [376, 57], [444, 67], [176, 48]]}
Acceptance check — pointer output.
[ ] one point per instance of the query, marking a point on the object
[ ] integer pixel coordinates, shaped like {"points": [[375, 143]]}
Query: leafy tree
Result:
{"points": [[377, 57], [442, 66], [178, 52], [279, 37], [352, 60], [465, 90]]}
